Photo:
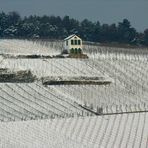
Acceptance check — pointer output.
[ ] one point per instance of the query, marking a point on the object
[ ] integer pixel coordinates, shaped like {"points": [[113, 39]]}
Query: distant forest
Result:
{"points": [[12, 25]]}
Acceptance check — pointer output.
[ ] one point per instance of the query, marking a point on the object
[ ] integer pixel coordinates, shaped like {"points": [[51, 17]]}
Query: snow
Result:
{"points": [[26, 47], [128, 92], [26, 101], [53, 67], [69, 37], [124, 130]]}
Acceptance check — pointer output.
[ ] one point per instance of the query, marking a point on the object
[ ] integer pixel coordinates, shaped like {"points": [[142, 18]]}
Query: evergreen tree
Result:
{"points": [[55, 27], [125, 32], [146, 37]]}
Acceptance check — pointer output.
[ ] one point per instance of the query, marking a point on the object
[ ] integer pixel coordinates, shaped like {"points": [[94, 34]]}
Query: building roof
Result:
{"points": [[69, 37]]}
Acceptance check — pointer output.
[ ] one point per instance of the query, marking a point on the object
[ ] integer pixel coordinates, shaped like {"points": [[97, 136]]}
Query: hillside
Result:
{"points": [[126, 68], [116, 131], [111, 115]]}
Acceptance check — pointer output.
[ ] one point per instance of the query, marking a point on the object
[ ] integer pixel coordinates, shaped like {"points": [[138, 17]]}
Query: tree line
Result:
{"points": [[12, 25]]}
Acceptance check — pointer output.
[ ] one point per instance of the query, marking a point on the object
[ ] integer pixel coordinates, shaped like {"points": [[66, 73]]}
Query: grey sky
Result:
{"points": [[106, 11]]}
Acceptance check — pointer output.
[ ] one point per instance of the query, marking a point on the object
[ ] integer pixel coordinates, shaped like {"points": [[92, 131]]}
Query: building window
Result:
{"points": [[76, 42], [76, 51], [72, 51], [72, 43], [67, 43], [79, 50], [79, 42]]}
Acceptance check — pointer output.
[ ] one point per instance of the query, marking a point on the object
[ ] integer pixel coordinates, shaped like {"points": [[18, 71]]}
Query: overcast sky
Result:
{"points": [[106, 11]]}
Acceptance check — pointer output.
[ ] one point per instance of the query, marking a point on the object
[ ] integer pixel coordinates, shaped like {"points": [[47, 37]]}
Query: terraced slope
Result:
{"points": [[34, 101], [53, 67], [128, 91], [125, 100], [127, 68], [124, 130], [24, 47]]}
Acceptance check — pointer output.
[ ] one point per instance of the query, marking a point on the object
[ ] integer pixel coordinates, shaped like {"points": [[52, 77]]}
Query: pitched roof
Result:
{"points": [[69, 37]]}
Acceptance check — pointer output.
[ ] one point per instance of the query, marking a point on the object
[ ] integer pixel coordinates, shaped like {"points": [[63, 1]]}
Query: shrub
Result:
{"points": [[65, 52]]}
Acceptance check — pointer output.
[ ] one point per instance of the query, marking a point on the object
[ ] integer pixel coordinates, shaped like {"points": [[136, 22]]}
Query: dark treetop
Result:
{"points": [[12, 25]]}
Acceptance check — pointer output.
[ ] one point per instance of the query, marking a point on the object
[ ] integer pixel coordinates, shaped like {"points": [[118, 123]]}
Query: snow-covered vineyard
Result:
{"points": [[127, 92], [33, 101], [115, 131], [67, 115]]}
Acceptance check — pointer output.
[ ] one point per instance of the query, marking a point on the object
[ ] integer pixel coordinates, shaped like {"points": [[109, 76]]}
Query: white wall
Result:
{"points": [[73, 46]]}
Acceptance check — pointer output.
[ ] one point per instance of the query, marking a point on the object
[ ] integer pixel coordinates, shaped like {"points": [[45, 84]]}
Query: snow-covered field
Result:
{"points": [[129, 91], [127, 69], [34, 101], [115, 131], [128, 94], [53, 67], [26, 47]]}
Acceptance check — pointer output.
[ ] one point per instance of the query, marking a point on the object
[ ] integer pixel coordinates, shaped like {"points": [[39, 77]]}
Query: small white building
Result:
{"points": [[73, 44]]}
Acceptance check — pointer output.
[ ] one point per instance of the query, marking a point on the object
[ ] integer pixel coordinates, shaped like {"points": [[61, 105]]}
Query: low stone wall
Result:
{"points": [[16, 77], [80, 56], [33, 56], [79, 80]]}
